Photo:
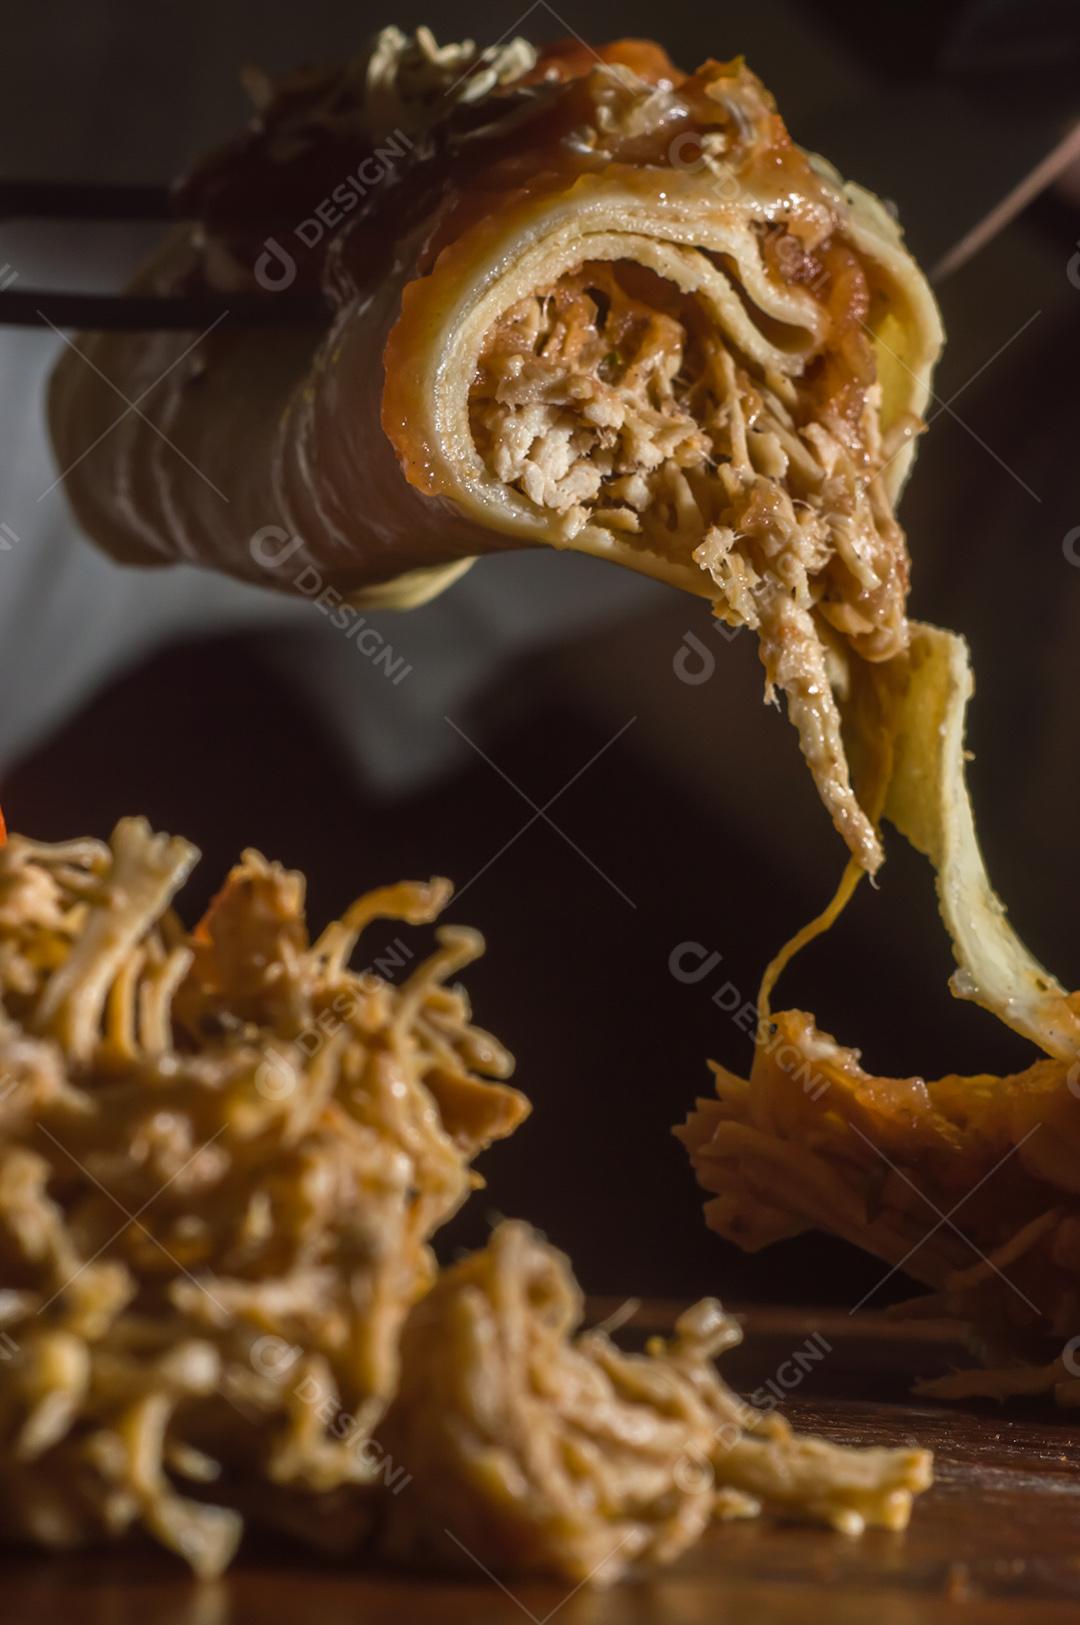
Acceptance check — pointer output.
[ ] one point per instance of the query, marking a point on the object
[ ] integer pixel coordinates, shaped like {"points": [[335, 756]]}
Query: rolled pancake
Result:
{"points": [[587, 302]]}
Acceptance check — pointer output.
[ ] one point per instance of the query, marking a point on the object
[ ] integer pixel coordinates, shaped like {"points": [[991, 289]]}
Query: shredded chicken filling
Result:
{"points": [[609, 399], [577, 1458]]}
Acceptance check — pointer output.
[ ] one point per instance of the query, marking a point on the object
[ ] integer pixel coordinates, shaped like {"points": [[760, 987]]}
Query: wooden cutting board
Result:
{"points": [[997, 1539]]}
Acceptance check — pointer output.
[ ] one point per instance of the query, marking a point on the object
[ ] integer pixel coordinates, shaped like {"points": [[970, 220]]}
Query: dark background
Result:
{"points": [[701, 812]]}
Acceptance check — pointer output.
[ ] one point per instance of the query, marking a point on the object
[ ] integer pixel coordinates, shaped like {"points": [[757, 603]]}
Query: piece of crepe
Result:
{"points": [[812, 1140], [574, 299]]}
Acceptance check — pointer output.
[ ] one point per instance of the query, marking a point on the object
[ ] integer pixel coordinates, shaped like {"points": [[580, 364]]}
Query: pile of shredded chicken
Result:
{"points": [[222, 1153], [538, 1450], [812, 1141], [221, 1157], [608, 399]]}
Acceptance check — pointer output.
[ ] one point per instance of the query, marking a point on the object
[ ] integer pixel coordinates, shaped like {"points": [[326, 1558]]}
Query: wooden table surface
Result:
{"points": [[997, 1539]]}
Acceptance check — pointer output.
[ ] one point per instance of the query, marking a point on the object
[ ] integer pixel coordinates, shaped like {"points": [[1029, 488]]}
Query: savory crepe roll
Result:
{"points": [[572, 298]]}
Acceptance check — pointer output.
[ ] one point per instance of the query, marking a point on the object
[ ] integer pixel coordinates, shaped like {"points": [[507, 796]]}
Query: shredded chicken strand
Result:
{"points": [[531, 1447]]}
